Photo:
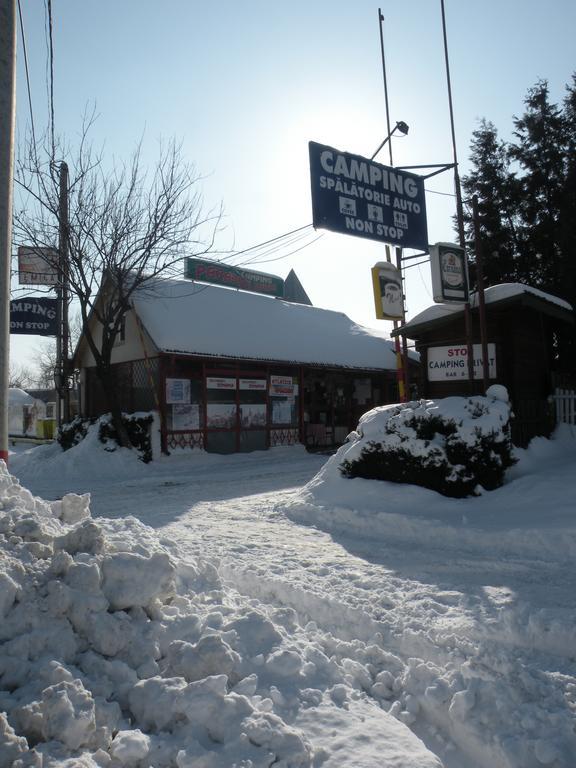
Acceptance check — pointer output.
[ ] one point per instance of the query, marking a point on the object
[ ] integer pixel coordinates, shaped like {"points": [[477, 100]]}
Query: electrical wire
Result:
{"points": [[27, 72], [51, 74]]}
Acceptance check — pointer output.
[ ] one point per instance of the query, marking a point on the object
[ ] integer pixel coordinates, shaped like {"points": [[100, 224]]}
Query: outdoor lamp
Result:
{"points": [[400, 126]]}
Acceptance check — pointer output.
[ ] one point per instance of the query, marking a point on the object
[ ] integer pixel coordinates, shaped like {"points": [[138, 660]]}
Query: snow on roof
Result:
{"points": [[17, 396], [184, 317], [491, 295]]}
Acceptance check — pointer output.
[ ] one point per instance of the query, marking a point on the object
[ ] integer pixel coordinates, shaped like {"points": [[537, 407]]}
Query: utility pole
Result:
{"points": [[63, 293], [7, 123], [459, 208]]}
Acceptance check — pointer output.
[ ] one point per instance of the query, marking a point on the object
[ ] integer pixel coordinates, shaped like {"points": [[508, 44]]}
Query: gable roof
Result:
{"points": [[501, 295], [183, 317]]}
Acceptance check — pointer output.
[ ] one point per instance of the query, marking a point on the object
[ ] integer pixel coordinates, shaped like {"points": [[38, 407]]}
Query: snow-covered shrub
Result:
{"points": [[451, 446], [72, 433], [137, 426]]}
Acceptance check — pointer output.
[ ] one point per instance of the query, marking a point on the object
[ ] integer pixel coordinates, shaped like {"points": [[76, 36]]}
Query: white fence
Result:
{"points": [[565, 405]]}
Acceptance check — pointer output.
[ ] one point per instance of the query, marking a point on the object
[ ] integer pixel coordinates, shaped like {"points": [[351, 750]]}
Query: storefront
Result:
{"points": [[232, 371]]}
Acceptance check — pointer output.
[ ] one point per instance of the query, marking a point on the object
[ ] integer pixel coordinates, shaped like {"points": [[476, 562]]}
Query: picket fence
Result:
{"points": [[565, 405]]}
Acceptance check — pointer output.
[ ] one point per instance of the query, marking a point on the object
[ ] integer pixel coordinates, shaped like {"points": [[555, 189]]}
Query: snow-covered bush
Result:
{"points": [[452, 446], [72, 433], [138, 427]]}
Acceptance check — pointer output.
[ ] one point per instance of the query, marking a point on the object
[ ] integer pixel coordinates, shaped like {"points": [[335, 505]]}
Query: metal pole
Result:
{"points": [[7, 123], [401, 357], [480, 288], [388, 131], [459, 208]]}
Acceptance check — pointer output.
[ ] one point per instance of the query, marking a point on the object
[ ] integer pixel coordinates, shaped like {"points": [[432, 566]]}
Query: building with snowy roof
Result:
{"points": [[524, 326], [232, 370]]}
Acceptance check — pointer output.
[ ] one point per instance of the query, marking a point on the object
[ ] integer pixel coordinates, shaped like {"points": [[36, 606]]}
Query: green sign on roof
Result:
{"points": [[233, 277]]}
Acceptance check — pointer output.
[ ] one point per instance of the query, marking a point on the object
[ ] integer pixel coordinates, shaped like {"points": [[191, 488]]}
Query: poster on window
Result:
{"points": [[185, 416], [253, 415], [177, 391], [221, 415], [282, 386], [281, 411]]}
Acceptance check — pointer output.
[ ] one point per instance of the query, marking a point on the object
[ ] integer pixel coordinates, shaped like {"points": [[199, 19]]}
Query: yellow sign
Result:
{"points": [[387, 285]]}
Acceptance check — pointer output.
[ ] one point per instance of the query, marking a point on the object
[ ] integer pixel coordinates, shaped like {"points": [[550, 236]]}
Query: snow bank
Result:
{"points": [[114, 652]]}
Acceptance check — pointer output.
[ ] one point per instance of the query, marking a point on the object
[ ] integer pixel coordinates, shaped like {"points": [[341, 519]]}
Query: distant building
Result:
{"points": [[229, 370]]}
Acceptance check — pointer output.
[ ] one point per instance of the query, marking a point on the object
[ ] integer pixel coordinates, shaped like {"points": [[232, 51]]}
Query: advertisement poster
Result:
{"points": [[253, 385], [449, 273], [177, 391], [253, 415], [283, 386], [213, 382], [281, 412], [387, 284], [186, 416], [221, 415]]}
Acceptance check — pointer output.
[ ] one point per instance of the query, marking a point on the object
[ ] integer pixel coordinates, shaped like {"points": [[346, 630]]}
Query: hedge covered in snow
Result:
{"points": [[455, 446]]}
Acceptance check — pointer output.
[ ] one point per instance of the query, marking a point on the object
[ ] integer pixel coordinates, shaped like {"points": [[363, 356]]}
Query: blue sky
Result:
{"points": [[245, 86]]}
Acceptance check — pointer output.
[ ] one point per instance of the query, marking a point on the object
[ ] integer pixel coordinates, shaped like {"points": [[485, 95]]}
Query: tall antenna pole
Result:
{"points": [[459, 208], [7, 122], [388, 131], [401, 356]]}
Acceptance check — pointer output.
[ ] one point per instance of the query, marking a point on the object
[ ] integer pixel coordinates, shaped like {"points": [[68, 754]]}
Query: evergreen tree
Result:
{"points": [[497, 189], [526, 193], [541, 153]]}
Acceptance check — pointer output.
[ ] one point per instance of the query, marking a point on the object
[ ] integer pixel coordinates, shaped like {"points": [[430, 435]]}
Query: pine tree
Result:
{"points": [[497, 189], [541, 153], [526, 192]]}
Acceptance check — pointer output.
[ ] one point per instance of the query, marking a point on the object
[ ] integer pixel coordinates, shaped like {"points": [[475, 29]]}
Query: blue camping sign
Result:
{"points": [[356, 196], [34, 316]]}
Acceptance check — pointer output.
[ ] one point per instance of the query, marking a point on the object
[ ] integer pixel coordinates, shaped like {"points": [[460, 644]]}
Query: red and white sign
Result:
{"points": [[216, 383], [258, 385], [37, 266], [451, 363]]}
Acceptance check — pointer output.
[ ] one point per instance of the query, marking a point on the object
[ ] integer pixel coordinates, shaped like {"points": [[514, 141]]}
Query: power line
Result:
{"points": [[27, 72], [51, 72], [272, 240]]}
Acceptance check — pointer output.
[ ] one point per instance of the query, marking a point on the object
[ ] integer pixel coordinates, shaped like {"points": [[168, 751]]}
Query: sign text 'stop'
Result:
{"points": [[356, 196]]}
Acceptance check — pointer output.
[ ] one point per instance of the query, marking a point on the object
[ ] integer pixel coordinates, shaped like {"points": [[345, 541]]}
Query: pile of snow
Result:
{"points": [[114, 654], [452, 445], [117, 653]]}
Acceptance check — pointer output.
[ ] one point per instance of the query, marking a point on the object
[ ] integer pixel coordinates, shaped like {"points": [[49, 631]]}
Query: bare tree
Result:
{"points": [[22, 377], [45, 354], [127, 227]]}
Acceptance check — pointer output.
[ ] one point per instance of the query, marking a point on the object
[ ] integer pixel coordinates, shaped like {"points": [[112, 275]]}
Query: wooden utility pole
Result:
{"points": [[480, 289], [459, 208], [62, 341], [7, 123]]}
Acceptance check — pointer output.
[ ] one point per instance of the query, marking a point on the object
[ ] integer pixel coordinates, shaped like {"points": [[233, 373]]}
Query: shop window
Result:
{"points": [[184, 405]]}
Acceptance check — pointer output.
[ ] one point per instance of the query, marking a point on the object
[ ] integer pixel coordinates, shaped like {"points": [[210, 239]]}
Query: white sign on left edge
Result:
{"points": [[37, 266]]}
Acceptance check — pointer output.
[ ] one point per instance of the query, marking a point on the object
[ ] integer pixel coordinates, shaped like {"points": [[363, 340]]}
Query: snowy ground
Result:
{"points": [[382, 625]]}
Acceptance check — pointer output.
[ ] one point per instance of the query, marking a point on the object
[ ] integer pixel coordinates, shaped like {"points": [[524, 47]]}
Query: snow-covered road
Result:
{"points": [[478, 642]]}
